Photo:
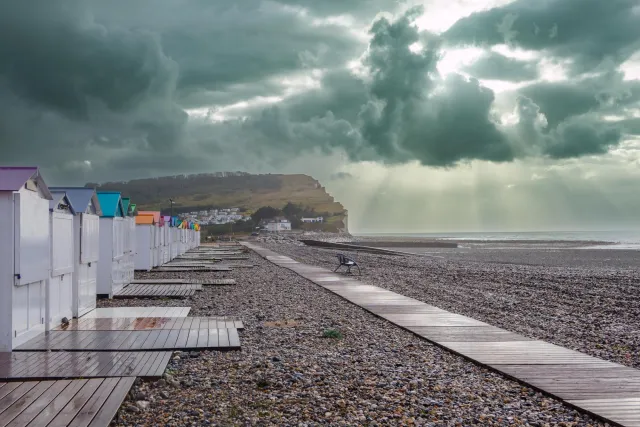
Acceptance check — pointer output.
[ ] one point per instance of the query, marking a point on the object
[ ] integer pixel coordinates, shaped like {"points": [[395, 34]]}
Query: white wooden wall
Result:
{"points": [[144, 247], [60, 287], [22, 252], [85, 287]]}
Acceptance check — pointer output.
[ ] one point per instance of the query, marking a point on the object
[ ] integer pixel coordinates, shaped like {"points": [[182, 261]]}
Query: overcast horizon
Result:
{"points": [[432, 115]]}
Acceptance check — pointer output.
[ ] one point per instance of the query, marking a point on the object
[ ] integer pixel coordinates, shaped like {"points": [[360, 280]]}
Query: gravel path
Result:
{"points": [[376, 374], [595, 310]]}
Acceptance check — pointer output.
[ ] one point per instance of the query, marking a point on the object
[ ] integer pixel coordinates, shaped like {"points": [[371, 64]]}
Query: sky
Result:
{"points": [[419, 116]]}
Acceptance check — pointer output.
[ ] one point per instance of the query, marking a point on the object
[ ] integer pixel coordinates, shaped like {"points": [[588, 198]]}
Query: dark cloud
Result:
{"points": [[494, 66], [414, 115], [578, 136], [96, 87], [559, 101], [586, 31]]}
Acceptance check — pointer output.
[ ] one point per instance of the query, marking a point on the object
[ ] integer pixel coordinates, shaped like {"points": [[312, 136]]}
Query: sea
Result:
{"points": [[622, 239]]}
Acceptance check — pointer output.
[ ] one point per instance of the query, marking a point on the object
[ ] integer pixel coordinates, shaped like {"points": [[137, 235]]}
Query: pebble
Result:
{"points": [[292, 376]]}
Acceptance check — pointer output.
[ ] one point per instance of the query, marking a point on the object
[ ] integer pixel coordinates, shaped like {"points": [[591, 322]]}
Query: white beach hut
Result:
{"points": [[86, 228], [59, 291], [175, 238], [157, 237], [111, 272], [145, 242], [24, 254], [128, 263]]}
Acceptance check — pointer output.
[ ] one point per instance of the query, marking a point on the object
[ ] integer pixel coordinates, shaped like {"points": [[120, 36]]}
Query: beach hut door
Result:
{"points": [[89, 254]]}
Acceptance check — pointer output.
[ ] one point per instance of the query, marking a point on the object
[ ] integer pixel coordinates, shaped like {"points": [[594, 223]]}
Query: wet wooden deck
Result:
{"points": [[157, 291], [195, 338], [85, 402], [604, 389], [119, 312], [204, 282], [151, 323], [43, 365], [179, 269]]}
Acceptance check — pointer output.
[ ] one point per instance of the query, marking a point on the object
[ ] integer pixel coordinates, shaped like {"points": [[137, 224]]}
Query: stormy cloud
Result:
{"points": [[130, 89]]}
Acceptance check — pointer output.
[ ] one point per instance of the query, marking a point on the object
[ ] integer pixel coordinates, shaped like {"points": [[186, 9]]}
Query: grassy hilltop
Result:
{"points": [[228, 189]]}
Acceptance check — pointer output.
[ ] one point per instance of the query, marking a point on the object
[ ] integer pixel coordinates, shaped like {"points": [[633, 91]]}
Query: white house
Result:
{"points": [[86, 228], [313, 220], [24, 254], [278, 224], [111, 269], [59, 291]]}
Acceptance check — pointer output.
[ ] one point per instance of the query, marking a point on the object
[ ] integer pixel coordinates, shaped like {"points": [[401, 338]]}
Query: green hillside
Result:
{"points": [[227, 189]]}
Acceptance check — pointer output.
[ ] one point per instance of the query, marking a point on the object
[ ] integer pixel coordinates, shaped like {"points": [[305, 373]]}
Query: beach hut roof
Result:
{"points": [[156, 215], [145, 220], [126, 203], [111, 204], [80, 198], [58, 198], [12, 178]]}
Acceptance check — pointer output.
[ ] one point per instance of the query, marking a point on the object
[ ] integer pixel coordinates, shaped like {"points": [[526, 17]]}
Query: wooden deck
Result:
{"points": [[92, 402], [43, 365], [179, 269], [155, 291], [198, 337], [604, 389], [204, 282], [150, 323], [111, 312]]}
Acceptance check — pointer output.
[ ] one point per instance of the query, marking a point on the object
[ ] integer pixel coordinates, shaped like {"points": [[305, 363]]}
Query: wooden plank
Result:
{"points": [[60, 402], [95, 402], [76, 403], [31, 411], [20, 391], [111, 405]]}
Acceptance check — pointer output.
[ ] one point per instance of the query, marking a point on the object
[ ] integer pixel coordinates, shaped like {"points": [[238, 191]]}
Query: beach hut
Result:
{"points": [[183, 244], [145, 242], [111, 277], [158, 238], [86, 228], [59, 291], [175, 237], [24, 254], [128, 263], [166, 251]]}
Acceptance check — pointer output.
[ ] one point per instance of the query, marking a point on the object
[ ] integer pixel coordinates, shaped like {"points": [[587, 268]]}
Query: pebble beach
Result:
{"points": [[310, 358], [585, 300]]}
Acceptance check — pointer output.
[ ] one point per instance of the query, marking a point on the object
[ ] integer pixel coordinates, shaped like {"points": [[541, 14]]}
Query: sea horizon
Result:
{"points": [[618, 237]]}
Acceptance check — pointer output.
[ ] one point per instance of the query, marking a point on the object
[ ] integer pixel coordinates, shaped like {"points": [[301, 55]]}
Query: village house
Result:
{"points": [[277, 224], [318, 219]]}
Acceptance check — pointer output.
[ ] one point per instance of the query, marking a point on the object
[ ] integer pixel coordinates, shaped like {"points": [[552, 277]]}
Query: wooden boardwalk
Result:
{"points": [[111, 312], [198, 337], [43, 365], [78, 403], [150, 323], [155, 291], [604, 389]]}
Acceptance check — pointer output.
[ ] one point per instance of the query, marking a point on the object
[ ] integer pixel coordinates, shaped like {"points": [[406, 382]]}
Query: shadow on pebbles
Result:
{"points": [[287, 373]]}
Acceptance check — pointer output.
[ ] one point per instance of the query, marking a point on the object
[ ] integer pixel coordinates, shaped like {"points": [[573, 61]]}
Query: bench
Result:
{"points": [[347, 262]]}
